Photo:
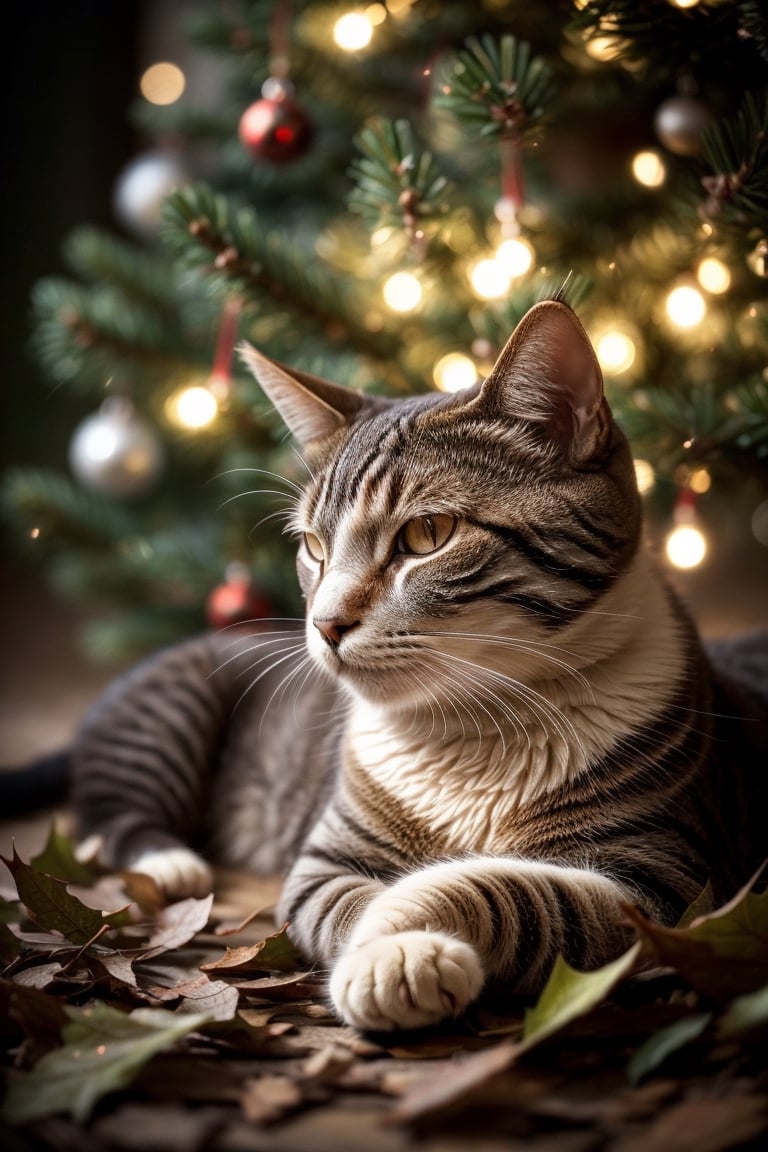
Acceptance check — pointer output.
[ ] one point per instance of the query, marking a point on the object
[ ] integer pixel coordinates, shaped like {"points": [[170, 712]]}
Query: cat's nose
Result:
{"points": [[333, 628]]}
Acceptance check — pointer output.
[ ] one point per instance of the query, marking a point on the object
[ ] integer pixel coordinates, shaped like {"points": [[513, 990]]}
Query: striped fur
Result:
{"points": [[496, 727]]}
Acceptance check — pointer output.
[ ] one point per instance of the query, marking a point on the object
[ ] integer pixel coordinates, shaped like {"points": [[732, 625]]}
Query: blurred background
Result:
{"points": [[375, 193]]}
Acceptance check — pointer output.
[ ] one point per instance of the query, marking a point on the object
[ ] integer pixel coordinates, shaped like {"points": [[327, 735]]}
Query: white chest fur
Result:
{"points": [[467, 785]]}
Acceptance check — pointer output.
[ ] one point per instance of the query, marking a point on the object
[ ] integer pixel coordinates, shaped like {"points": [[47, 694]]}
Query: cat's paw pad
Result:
{"points": [[178, 872], [406, 980]]}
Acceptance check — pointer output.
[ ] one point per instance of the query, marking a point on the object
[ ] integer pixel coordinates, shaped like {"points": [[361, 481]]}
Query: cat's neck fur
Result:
{"points": [[467, 775]]}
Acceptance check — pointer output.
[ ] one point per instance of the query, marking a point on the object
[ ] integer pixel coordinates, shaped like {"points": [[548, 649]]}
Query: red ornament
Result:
{"points": [[236, 601], [275, 128]]}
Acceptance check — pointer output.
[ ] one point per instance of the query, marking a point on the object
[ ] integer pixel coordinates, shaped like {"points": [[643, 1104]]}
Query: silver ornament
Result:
{"points": [[142, 188], [679, 123], [116, 453]]}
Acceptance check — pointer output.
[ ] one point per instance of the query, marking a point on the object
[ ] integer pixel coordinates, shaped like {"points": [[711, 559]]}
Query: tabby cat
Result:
{"points": [[496, 727]]}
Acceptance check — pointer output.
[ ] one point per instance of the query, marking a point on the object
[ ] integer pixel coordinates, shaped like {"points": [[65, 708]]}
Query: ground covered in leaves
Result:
{"points": [[129, 1025]]}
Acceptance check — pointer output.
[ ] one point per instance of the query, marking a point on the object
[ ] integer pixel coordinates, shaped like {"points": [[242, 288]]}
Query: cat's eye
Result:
{"points": [[425, 534], [314, 546]]}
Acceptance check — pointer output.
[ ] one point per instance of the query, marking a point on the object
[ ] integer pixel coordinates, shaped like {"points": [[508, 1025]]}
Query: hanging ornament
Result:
{"points": [[679, 123], [142, 189], [116, 453], [220, 380], [276, 128], [758, 259], [236, 600]]}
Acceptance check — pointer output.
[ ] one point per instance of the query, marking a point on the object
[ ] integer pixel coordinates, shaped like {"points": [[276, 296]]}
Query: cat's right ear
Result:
{"points": [[312, 408]]}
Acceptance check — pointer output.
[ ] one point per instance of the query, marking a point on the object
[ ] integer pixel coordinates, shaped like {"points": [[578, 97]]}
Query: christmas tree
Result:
{"points": [[377, 195]]}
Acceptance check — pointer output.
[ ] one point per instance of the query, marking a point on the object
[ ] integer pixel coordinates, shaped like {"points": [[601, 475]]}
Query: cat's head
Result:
{"points": [[442, 537]]}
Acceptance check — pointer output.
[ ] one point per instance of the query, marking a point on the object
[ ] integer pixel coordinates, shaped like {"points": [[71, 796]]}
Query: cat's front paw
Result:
{"points": [[406, 980], [178, 872]]}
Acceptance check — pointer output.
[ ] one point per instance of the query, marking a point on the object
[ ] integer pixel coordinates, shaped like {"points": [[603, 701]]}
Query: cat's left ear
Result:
{"points": [[548, 375], [312, 408]]}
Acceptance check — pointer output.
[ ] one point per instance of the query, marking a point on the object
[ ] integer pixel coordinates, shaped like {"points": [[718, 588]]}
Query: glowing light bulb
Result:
{"points": [[649, 169], [615, 351], [162, 83], [700, 481], [713, 275], [603, 48], [402, 292], [645, 476], [489, 279], [685, 306], [194, 407], [454, 372], [515, 256], [684, 3], [353, 31], [686, 546]]}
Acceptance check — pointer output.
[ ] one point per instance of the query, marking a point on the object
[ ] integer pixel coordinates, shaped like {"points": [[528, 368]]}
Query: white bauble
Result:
{"points": [[679, 123], [143, 187], [116, 453]]}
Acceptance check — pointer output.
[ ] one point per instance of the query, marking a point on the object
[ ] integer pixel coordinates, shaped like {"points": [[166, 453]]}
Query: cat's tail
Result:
{"points": [[41, 784]]}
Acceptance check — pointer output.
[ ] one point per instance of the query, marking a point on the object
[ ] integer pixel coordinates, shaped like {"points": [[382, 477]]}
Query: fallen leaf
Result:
{"points": [[235, 929], [702, 1125], [144, 891], [569, 994], [270, 1097], [328, 1064], [176, 924], [40, 1016], [51, 905], [275, 953], [746, 1014], [58, 859], [722, 955], [664, 1043], [215, 998], [453, 1084], [102, 1051]]}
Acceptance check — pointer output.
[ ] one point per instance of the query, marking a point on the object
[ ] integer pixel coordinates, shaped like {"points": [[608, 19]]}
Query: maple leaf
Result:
{"points": [[102, 1052]]}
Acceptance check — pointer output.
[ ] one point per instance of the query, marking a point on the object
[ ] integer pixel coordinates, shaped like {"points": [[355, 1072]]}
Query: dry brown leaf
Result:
{"points": [[176, 924], [453, 1084], [702, 1125], [267, 1098], [327, 1065]]}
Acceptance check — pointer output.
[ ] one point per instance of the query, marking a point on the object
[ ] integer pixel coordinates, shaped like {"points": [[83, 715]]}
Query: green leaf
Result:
{"points": [[746, 1014], [52, 906], [662, 1044], [569, 994], [722, 955], [102, 1052], [58, 859]]}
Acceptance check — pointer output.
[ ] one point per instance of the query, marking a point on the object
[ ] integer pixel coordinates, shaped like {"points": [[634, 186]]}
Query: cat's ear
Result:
{"points": [[548, 374], [312, 409]]}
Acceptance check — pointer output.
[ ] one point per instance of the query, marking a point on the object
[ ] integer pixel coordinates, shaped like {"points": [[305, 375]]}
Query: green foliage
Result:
{"points": [[396, 177], [497, 87]]}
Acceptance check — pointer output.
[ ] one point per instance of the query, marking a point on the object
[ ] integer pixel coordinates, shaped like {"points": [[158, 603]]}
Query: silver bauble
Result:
{"points": [[679, 123], [116, 453], [143, 187]]}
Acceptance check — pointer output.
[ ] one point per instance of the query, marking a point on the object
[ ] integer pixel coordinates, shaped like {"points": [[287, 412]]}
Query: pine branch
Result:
{"points": [[497, 87], [47, 508], [754, 17], [99, 257], [396, 182], [737, 150]]}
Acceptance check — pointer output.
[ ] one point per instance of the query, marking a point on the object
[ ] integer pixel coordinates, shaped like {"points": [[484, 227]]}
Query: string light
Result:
{"points": [[649, 169], [162, 83], [700, 481], [489, 279], [454, 372], [713, 275], [615, 351], [686, 546], [684, 3], [353, 31], [402, 292], [685, 306], [645, 476], [192, 408], [515, 256]]}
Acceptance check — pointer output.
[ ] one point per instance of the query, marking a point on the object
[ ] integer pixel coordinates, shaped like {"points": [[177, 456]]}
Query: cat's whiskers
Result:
{"points": [[530, 646], [264, 638], [296, 651]]}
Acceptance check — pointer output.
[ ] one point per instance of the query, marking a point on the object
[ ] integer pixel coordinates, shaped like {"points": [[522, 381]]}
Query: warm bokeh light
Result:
{"points": [[700, 481], [402, 292], [489, 279], [615, 351], [193, 407], [649, 169], [645, 476], [684, 3], [353, 31], [454, 372], [713, 275], [685, 306], [376, 14], [162, 83], [603, 48], [515, 256], [686, 546]]}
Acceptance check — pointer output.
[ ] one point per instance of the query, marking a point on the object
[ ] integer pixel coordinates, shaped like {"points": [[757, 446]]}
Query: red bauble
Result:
{"points": [[275, 128], [236, 601]]}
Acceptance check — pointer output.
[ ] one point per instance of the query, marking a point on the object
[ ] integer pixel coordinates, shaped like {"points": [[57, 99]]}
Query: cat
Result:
{"points": [[496, 728]]}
